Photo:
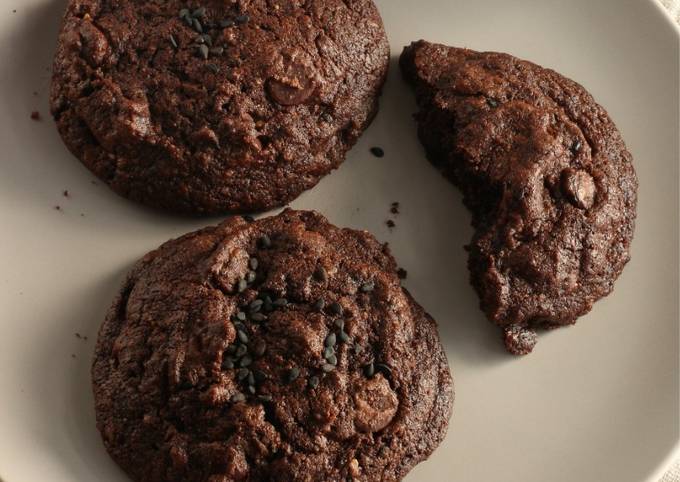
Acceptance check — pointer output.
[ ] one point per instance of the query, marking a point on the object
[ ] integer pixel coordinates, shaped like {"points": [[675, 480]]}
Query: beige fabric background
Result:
{"points": [[673, 475]]}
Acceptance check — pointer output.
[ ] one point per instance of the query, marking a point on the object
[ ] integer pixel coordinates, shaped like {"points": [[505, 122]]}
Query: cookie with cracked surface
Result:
{"points": [[279, 349], [545, 173], [235, 106]]}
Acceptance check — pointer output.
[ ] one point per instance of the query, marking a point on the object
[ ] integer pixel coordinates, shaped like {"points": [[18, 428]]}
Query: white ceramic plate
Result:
{"points": [[594, 402]]}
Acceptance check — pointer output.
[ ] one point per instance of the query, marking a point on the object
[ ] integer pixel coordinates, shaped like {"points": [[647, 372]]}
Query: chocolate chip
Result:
{"points": [[579, 188]]}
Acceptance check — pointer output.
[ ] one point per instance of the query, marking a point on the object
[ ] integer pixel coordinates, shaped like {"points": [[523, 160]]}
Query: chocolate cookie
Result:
{"points": [[545, 173], [226, 106], [281, 349]]}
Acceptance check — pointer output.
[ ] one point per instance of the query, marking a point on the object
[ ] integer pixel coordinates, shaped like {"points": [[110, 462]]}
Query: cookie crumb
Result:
{"points": [[66, 193], [519, 340], [402, 273], [73, 355], [394, 207], [35, 115], [390, 223], [57, 207]]}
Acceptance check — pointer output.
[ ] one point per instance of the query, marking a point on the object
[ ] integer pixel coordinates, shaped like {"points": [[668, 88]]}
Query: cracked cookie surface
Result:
{"points": [[230, 106], [545, 173], [280, 349]]}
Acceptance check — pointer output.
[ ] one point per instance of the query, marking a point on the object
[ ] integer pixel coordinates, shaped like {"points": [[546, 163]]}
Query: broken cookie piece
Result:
{"points": [[545, 173]]}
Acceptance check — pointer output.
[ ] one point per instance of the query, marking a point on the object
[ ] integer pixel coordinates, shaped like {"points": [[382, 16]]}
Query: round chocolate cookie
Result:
{"points": [[223, 106], [280, 349], [545, 173]]}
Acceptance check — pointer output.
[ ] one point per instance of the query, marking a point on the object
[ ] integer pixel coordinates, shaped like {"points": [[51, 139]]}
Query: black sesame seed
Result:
{"points": [[241, 350], [333, 360], [242, 19], [265, 398], [328, 351], [330, 340], [335, 308], [242, 337], [260, 376], [241, 315], [259, 348], [327, 367], [246, 361], [251, 389], [231, 349], [251, 378], [357, 349], [367, 287], [250, 276], [199, 12], [199, 40], [369, 370], [268, 305], [239, 326], [320, 274], [204, 51], [265, 241], [383, 368], [492, 102], [197, 25], [189, 21], [313, 382], [226, 23], [280, 302], [258, 317], [248, 218], [184, 13], [213, 68], [293, 374], [377, 152], [253, 263], [576, 146], [242, 285], [344, 337], [242, 374], [255, 305], [228, 363], [173, 41], [238, 397], [319, 304], [207, 39], [340, 323]]}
